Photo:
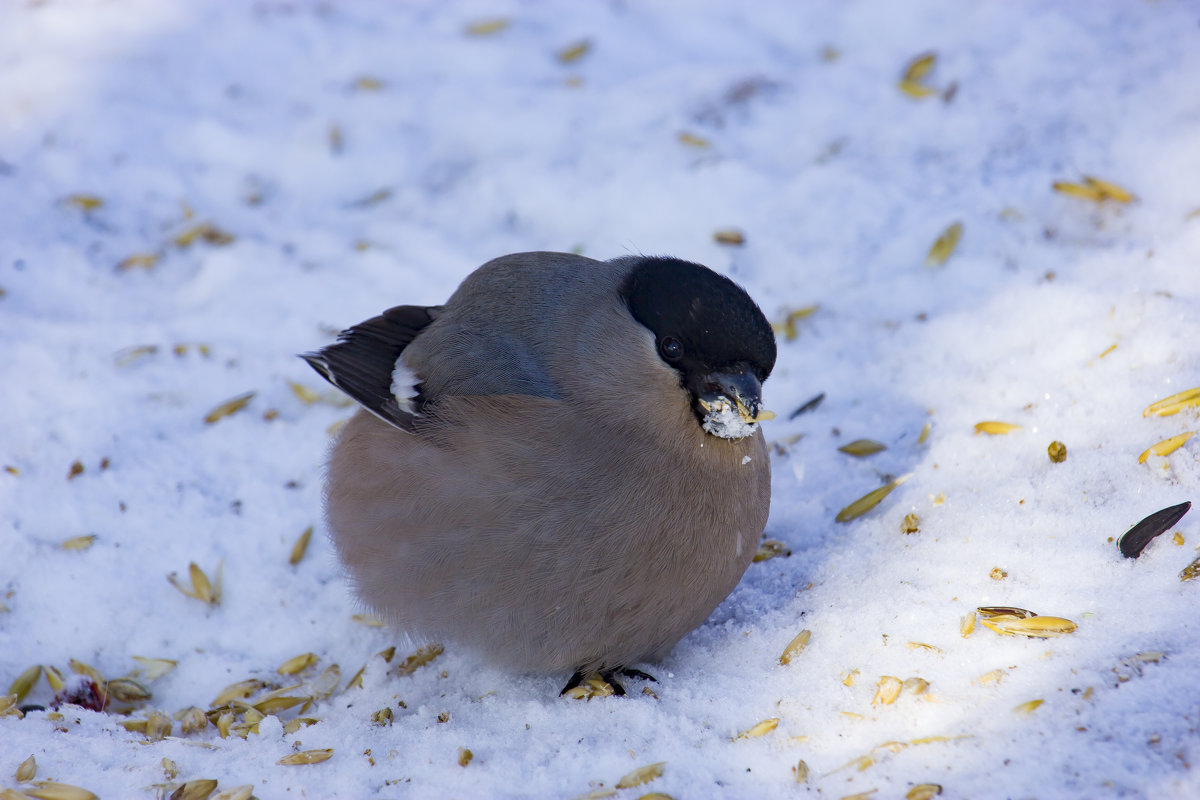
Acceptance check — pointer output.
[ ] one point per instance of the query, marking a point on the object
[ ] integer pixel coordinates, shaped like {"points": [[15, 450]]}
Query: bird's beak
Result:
{"points": [[733, 389]]}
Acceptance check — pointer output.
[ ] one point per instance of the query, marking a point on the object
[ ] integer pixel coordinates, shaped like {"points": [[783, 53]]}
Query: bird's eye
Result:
{"points": [[671, 349]]}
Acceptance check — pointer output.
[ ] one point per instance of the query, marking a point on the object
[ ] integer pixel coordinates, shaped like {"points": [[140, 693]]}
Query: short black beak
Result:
{"points": [[737, 383]]}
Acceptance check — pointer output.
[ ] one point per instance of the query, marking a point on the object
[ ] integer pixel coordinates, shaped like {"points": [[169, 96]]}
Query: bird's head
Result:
{"points": [[712, 334]]}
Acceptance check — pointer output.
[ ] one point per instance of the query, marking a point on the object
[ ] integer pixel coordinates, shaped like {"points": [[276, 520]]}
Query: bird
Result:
{"points": [[560, 468]]}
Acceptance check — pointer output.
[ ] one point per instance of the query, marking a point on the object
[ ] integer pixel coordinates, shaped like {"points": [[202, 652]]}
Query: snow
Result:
{"points": [[720, 419], [371, 154]]}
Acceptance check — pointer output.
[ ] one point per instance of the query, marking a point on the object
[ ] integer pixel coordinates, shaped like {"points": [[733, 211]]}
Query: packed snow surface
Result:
{"points": [[191, 193]]}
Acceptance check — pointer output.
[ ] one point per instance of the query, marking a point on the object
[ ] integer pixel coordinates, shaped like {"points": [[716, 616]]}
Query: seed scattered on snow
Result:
{"points": [[158, 726], [987, 612], [993, 428], [692, 140], [79, 542], [1057, 452], [760, 729], [925, 429], [1177, 539], [138, 261], [27, 771], [849, 677], [464, 756], [869, 500], [486, 27], [966, 626], [1094, 189], [574, 52], [1028, 707], [915, 685], [170, 769], [731, 236], [923, 646], [770, 548], [297, 663], [125, 357], [275, 702], [205, 232], [860, 795], [25, 682], [229, 407], [642, 775], [998, 574], [55, 678], [383, 716], [237, 691], [307, 757], [923, 791], [127, 690], [84, 202], [370, 620], [1173, 404], [154, 668], [910, 524], [1110, 190], [75, 471], [421, 657], [944, 246], [988, 678], [1032, 627], [191, 720], [1191, 571], [887, 690], [801, 771], [915, 72], [787, 329], [202, 588], [53, 790], [1134, 541], [237, 793], [795, 646], [862, 447], [198, 789], [1166, 446], [293, 725]]}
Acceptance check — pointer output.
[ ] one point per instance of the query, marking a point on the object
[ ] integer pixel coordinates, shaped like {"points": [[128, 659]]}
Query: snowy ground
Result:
{"points": [[369, 154]]}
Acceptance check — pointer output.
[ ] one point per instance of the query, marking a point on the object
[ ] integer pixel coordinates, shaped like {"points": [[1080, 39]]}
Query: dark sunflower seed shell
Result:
{"points": [[1134, 541]]}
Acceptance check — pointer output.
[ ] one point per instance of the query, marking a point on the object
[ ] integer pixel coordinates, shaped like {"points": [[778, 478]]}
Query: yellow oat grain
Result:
{"points": [[944, 246], [1166, 446], [307, 757], [642, 775], [1189, 398], [24, 683], [1028, 707], [1032, 627], [297, 664], [27, 770], [795, 647], [487, 27], [759, 729], [993, 428], [862, 447], [574, 52], [731, 236], [868, 501], [887, 690], [229, 407], [53, 790]]}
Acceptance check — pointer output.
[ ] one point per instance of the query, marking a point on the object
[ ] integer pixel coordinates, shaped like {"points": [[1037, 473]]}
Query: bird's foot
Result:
{"points": [[602, 683]]}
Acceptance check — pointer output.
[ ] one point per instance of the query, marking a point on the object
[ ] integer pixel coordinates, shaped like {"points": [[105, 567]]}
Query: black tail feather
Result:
{"points": [[363, 359]]}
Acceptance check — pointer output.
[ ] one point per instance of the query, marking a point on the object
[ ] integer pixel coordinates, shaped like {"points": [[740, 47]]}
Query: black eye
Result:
{"points": [[671, 349]]}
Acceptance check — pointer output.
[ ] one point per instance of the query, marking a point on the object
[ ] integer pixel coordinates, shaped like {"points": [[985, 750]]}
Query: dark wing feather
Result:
{"points": [[362, 360]]}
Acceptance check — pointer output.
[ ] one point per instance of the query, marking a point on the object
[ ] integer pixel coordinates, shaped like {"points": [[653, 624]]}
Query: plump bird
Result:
{"points": [[560, 468]]}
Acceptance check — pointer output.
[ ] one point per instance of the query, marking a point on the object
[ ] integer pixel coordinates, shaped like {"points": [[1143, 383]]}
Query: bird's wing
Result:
{"points": [[363, 362]]}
